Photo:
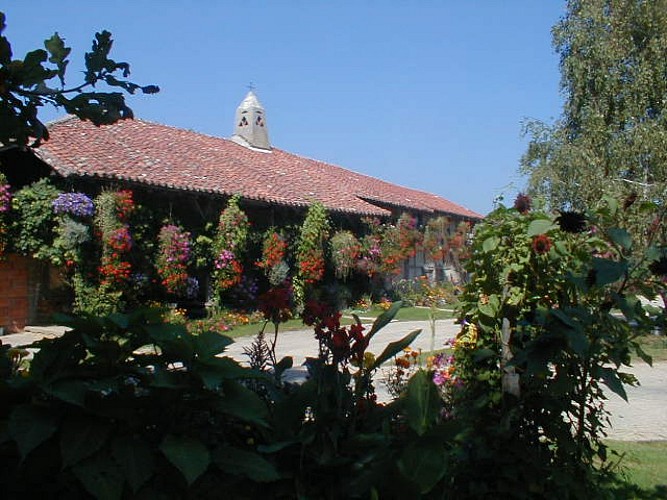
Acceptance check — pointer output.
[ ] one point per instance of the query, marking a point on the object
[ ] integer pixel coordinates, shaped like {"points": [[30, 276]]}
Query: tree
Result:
{"points": [[39, 79], [612, 136]]}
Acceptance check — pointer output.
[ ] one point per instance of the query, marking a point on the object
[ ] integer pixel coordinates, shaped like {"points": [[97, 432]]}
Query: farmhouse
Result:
{"points": [[190, 176]]}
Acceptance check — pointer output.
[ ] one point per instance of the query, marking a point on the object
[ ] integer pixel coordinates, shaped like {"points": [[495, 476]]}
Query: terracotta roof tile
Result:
{"points": [[160, 155]]}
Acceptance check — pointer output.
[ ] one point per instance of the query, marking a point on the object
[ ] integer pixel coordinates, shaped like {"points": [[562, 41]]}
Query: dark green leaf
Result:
{"points": [[188, 455], [5, 50], [167, 379], [30, 426], [482, 354], [245, 463], [242, 403], [284, 364], [135, 459], [424, 464], [608, 271], [213, 371], [32, 72], [563, 318], [101, 477], [422, 402], [578, 341], [646, 358], [621, 237], [56, 47], [384, 319], [81, 437], [394, 348], [122, 321], [71, 391], [209, 344], [610, 378]]}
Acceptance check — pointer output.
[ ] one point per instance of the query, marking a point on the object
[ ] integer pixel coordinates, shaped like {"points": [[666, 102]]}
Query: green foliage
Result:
{"points": [[127, 406], [611, 137], [310, 254], [33, 228], [542, 343], [345, 250], [230, 245], [104, 410], [233, 228], [29, 83]]}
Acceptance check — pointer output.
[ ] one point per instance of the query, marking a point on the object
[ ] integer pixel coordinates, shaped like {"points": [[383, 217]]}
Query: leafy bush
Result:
{"points": [[549, 319]]}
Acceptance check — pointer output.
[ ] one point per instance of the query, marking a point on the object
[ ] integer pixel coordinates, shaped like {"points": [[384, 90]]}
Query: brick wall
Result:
{"points": [[14, 292]]}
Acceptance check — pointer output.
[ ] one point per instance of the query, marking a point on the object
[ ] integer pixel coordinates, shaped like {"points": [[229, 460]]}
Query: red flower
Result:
{"points": [[541, 244], [276, 303]]}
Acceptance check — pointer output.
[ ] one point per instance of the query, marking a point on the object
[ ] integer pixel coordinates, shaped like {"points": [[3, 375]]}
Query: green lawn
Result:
{"points": [[644, 463], [655, 346], [366, 316], [404, 314]]}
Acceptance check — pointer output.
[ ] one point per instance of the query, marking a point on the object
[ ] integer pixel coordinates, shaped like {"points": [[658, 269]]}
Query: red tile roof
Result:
{"points": [[159, 155]]}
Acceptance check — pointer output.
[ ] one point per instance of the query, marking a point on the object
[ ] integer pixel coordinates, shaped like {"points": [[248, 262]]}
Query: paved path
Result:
{"points": [[643, 418]]}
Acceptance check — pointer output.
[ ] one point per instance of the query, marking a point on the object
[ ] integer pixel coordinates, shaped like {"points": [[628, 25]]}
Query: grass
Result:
{"points": [[644, 463], [655, 346], [404, 314], [367, 316]]}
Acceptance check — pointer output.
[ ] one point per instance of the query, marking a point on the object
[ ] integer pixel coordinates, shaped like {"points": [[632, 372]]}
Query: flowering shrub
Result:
{"points": [[111, 218], [392, 255], [541, 346], [5, 195], [436, 239], [310, 249], [223, 321], [421, 291], [244, 294], [227, 270], [172, 260], [74, 204], [274, 249], [409, 236], [276, 304], [229, 245], [338, 344], [371, 252], [345, 251], [311, 266], [125, 205]]}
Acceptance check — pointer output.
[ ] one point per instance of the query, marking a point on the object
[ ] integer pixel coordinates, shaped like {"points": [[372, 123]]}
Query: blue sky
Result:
{"points": [[427, 94]]}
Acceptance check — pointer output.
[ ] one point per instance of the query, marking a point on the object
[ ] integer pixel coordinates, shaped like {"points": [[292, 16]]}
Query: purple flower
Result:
{"points": [[191, 287], [77, 204], [5, 197], [223, 260]]}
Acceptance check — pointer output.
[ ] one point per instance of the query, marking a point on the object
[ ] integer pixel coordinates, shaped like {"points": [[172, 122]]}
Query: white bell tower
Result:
{"points": [[250, 129]]}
